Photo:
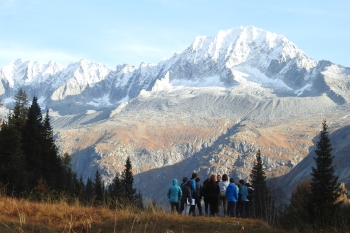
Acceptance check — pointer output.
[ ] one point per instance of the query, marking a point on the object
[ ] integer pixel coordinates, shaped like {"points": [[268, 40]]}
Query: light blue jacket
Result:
{"points": [[243, 193], [174, 192]]}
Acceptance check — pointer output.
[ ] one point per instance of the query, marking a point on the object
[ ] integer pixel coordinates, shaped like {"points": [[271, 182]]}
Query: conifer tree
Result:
{"points": [[89, 190], [12, 157], [115, 190], [324, 184], [32, 142], [57, 173], [98, 188], [20, 110], [128, 182], [80, 190], [12, 172], [260, 194]]}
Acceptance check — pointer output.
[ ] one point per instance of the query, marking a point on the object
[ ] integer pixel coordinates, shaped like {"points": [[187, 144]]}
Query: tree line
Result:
{"points": [[31, 165]]}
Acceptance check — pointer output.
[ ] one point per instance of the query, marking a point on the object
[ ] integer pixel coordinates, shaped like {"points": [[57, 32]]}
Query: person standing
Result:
{"points": [[199, 196], [205, 196], [212, 190], [174, 195], [186, 196], [182, 202], [193, 194], [250, 198], [222, 197], [242, 198], [232, 198]]}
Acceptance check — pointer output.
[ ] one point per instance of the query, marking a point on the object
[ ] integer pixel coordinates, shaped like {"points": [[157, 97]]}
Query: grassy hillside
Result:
{"points": [[19, 215]]}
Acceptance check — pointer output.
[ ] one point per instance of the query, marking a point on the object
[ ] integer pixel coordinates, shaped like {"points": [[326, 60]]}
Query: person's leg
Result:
{"points": [[229, 208], [215, 205], [177, 206], [206, 205], [171, 207], [187, 208], [212, 209], [199, 206], [182, 207], [193, 207], [238, 208], [219, 201], [224, 201], [234, 204], [247, 209], [243, 212]]}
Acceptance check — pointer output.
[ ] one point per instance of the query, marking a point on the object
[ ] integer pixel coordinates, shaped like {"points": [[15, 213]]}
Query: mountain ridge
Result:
{"points": [[207, 109], [234, 56]]}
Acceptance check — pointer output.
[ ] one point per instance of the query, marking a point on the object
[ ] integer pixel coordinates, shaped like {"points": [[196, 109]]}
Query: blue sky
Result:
{"points": [[116, 32]]}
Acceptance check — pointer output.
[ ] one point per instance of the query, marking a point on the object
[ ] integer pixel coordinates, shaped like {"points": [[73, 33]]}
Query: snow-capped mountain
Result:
{"points": [[245, 57], [206, 109]]}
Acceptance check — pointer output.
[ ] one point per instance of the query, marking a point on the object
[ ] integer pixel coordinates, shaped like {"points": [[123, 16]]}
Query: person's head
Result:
{"points": [[232, 180], [218, 177], [185, 179], [212, 178], [197, 179], [189, 183], [224, 177], [194, 175], [241, 182], [175, 182]]}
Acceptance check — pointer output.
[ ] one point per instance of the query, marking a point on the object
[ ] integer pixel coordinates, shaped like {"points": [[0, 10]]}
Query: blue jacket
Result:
{"points": [[193, 186], [243, 193], [174, 192], [232, 192]]}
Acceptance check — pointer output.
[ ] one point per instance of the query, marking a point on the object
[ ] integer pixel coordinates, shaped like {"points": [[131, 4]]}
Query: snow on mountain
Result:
{"points": [[244, 57], [24, 73], [78, 77]]}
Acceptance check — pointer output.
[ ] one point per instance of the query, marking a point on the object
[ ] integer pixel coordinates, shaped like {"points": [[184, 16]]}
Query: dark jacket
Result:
{"points": [[186, 191], [203, 189], [212, 189]]}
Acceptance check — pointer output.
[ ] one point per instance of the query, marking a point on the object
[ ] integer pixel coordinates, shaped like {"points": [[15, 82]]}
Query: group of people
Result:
{"points": [[216, 191]]}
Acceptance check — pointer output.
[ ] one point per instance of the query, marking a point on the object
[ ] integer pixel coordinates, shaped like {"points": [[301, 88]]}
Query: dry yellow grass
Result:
{"points": [[19, 215]]}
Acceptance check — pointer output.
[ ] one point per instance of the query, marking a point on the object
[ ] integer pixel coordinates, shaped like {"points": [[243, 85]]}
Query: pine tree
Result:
{"points": [[12, 158], [128, 182], [57, 173], [89, 190], [260, 194], [324, 184], [12, 172], [32, 142], [115, 190], [98, 189], [20, 110]]}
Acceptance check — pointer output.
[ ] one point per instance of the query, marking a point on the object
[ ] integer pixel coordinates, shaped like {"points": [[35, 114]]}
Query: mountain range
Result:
{"points": [[207, 109]]}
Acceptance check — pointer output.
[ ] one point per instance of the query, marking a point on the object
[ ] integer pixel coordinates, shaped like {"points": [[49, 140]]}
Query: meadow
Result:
{"points": [[21, 215]]}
